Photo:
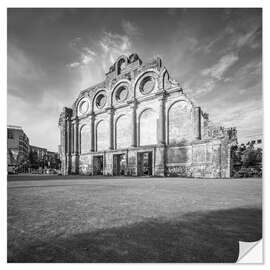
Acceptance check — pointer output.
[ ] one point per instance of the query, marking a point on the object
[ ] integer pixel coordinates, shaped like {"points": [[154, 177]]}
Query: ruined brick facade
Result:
{"points": [[139, 121]]}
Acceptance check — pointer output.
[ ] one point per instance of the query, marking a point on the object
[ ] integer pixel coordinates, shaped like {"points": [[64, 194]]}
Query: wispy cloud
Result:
{"points": [[113, 45], [86, 54], [233, 38], [224, 63], [250, 69], [206, 87], [207, 48], [23, 73], [103, 52], [244, 39], [20, 65], [74, 64], [131, 29], [108, 48], [248, 73], [209, 78], [248, 38]]}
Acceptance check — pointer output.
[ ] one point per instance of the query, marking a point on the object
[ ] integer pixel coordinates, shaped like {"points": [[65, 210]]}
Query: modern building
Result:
{"points": [[17, 147], [139, 121], [42, 158], [39, 152]]}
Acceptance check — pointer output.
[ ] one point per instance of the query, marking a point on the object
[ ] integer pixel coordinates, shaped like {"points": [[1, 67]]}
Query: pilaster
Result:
{"points": [[111, 115], [92, 132], [197, 123], [76, 136], [161, 139], [133, 107]]}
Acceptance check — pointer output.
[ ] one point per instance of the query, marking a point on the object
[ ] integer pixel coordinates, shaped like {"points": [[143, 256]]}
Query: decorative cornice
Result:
{"points": [[132, 101], [109, 109]]}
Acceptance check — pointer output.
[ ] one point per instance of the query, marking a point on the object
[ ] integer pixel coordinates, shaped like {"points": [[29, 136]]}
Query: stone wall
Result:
{"points": [[198, 160], [85, 164], [138, 108], [208, 159]]}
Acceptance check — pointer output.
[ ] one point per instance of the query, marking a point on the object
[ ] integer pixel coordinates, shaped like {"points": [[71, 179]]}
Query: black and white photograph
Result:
{"points": [[134, 135]]}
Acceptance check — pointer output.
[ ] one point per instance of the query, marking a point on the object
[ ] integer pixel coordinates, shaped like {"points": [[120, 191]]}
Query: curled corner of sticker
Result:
{"points": [[245, 250]]}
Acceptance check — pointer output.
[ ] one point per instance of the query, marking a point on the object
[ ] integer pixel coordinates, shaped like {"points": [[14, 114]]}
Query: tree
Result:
{"points": [[251, 157]]}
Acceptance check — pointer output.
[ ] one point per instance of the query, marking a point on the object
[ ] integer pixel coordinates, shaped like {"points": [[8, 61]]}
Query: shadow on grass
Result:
{"points": [[195, 237]]}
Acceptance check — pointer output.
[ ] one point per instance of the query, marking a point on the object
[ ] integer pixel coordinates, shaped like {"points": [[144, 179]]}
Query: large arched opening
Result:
{"points": [[180, 122], [122, 132], [102, 136], [147, 127], [85, 139]]}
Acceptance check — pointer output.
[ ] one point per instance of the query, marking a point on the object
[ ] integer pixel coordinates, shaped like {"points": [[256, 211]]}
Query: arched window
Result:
{"points": [[148, 127], [121, 65], [102, 136], [180, 122], [122, 132], [85, 139], [121, 94]]}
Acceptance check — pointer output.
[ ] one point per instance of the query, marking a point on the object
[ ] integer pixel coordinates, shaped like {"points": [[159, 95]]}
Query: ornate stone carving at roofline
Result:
{"points": [[134, 57], [123, 63]]}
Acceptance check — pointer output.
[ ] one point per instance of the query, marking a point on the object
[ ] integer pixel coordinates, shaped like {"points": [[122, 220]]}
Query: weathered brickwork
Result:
{"points": [[139, 121]]}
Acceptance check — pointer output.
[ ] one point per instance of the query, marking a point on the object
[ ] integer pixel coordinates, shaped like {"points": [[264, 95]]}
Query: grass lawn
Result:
{"points": [[82, 219]]}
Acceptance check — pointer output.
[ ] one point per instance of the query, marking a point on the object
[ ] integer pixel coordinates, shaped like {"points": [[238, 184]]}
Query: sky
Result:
{"points": [[53, 54]]}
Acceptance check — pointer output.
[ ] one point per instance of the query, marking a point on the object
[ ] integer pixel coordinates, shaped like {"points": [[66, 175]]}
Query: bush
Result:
{"points": [[248, 172]]}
